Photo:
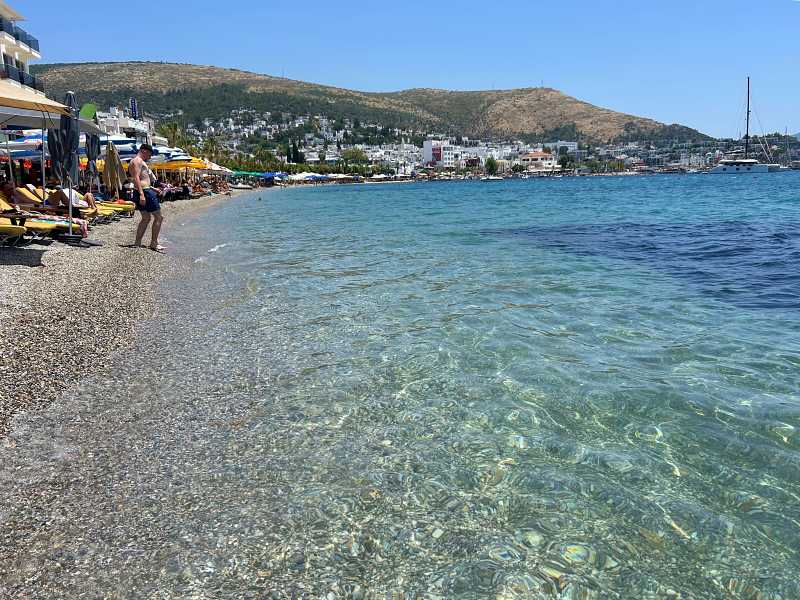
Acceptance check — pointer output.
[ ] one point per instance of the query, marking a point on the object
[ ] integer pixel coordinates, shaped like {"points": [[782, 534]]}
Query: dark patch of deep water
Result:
{"points": [[751, 265]]}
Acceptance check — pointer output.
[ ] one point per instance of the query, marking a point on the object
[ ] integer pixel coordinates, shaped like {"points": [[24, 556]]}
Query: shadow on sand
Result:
{"points": [[26, 257]]}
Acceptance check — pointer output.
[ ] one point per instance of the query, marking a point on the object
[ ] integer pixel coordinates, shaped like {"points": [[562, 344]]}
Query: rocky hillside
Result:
{"points": [[203, 91]]}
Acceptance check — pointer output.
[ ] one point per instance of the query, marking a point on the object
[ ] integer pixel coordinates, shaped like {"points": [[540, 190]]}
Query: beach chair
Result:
{"points": [[34, 222], [115, 208], [120, 206], [11, 235], [98, 216]]}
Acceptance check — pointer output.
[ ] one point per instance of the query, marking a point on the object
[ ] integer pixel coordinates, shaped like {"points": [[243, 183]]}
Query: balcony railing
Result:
{"points": [[9, 72], [7, 26], [26, 79], [19, 34]]}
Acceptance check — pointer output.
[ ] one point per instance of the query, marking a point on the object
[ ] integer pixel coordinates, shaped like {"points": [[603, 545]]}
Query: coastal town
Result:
{"points": [[252, 140], [328, 143]]}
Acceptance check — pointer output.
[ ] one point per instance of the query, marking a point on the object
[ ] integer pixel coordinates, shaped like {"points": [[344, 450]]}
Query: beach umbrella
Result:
{"points": [[113, 171], [71, 138], [55, 147], [92, 153]]}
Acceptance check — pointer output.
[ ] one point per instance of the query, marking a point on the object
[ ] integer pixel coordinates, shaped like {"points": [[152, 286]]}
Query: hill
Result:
{"points": [[204, 91]]}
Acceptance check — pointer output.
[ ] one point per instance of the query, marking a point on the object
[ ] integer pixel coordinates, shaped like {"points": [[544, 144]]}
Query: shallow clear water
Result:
{"points": [[574, 388]]}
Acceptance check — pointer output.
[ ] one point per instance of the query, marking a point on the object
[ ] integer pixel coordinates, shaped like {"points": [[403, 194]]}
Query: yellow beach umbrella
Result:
{"points": [[179, 165]]}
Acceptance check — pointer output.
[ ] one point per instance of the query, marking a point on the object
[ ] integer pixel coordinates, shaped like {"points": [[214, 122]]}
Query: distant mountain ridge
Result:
{"points": [[205, 91]]}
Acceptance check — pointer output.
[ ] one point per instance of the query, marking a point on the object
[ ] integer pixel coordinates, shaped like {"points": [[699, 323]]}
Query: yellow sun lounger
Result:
{"points": [[38, 225], [29, 195], [105, 209], [34, 196], [32, 225], [11, 232], [128, 206]]}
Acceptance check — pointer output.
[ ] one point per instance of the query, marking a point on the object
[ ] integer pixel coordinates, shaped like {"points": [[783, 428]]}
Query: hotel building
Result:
{"points": [[18, 48]]}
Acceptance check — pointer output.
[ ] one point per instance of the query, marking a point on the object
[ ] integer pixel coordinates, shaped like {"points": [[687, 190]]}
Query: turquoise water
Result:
{"points": [[569, 388], [563, 387]]}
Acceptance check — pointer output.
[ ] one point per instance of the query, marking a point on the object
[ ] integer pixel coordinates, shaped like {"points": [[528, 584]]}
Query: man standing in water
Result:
{"points": [[146, 198]]}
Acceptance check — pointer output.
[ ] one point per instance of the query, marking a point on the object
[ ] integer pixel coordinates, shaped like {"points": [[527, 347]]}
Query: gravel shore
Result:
{"points": [[65, 308]]}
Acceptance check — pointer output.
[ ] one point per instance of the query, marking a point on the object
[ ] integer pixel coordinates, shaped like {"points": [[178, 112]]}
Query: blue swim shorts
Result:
{"points": [[151, 203]]}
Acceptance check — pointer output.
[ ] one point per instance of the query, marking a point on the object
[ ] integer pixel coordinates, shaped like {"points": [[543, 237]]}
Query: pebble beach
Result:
{"points": [[66, 308]]}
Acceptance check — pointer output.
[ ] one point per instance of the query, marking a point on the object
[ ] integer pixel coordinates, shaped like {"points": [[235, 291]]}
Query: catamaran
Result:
{"points": [[744, 165]]}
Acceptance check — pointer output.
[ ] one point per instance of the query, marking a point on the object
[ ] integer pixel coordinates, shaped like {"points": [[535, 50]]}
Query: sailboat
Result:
{"points": [[746, 164]]}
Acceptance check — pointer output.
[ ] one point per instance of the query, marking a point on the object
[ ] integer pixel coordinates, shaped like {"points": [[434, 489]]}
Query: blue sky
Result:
{"points": [[675, 61]]}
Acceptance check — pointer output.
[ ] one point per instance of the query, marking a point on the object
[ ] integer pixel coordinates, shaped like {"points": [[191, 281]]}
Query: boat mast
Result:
{"points": [[747, 135]]}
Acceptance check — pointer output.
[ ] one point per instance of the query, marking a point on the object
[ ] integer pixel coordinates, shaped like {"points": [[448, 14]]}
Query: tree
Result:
{"points": [[354, 155], [211, 148], [173, 132], [490, 166], [295, 153], [517, 168], [321, 156]]}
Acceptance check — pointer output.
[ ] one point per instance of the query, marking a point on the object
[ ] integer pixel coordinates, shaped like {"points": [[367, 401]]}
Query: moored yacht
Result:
{"points": [[744, 165]]}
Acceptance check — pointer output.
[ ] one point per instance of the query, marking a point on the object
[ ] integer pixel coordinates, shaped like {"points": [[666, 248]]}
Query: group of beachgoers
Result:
{"points": [[53, 207]]}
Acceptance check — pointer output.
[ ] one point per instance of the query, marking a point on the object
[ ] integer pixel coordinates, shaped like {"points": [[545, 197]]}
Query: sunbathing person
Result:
{"points": [[12, 195], [62, 200], [41, 212]]}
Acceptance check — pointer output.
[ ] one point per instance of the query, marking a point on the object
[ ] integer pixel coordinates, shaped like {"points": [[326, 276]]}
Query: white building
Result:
{"points": [[438, 153], [117, 122], [539, 161], [18, 48], [431, 151], [571, 147]]}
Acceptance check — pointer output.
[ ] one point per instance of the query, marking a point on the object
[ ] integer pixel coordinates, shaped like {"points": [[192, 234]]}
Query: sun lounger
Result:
{"points": [[97, 216], [10, 235], [28, 195], [34, 221]]}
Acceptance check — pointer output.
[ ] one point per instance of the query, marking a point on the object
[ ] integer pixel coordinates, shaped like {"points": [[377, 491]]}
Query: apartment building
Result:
{"points": [[18, 48]]}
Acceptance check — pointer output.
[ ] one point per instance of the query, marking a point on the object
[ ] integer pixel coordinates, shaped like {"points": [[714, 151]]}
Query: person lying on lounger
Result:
{"points": [[62, 199], [41, 211], [12, 196]]}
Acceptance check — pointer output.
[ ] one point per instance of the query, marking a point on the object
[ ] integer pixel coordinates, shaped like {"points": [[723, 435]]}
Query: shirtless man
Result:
{"points": [[146, 198]]}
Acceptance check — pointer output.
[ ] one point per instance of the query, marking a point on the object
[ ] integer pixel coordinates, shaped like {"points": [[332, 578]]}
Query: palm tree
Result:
{"points": [[211, 148], [173, 132]]}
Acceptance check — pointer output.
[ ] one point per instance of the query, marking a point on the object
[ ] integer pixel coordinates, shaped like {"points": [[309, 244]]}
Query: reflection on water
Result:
{"points": [[365, 394]]}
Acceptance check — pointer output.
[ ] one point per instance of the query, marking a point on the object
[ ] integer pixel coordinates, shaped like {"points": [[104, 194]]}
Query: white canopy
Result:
{"points": [[34, 119]]}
